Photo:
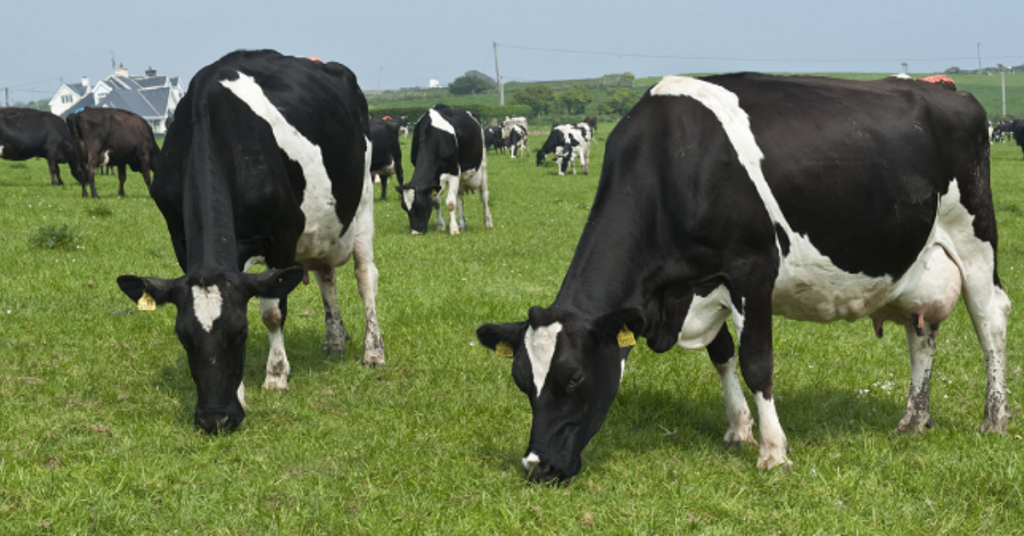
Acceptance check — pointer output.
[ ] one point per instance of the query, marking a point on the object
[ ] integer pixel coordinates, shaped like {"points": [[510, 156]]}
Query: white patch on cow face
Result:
{"points": [[439, 122], [254, 261], [320, 238], [1, 151], [207, 304], [106, 158], [540, 346]]}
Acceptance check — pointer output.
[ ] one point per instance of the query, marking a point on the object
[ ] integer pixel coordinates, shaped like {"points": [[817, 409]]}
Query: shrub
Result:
{"points": [[53, 237]]}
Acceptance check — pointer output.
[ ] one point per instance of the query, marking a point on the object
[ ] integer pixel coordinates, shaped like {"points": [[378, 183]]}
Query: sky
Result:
{"points": [[399, 43]]}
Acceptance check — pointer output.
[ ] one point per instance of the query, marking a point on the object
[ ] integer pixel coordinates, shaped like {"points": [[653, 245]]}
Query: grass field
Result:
{"points": [[96, 401]]}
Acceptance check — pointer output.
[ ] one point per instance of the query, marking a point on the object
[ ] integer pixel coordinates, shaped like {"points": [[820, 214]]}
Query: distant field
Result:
{"points": [[987, 89]]}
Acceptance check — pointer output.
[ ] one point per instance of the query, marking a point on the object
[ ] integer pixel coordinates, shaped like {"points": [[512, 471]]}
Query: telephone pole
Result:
{"points": [[497, 75], [979, 58]]}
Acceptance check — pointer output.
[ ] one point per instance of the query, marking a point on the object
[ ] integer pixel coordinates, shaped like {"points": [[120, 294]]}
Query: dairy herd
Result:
{"points": [[742, 196]]}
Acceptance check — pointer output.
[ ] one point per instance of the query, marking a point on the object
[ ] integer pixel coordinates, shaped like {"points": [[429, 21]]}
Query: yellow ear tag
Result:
{"points": [[503, 349], [626, 338], [146, 302], [433, 192]]}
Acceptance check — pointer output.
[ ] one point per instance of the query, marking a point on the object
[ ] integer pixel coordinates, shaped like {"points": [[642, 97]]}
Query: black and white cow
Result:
{"points": [[518, 141], [448, 152], [494, 139], [402, 122], [26, 133], [750, 195], [568, 143], [267, 162], [387, 154]]}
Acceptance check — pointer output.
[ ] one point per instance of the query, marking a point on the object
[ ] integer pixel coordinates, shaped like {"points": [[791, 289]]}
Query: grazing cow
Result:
{"points": [[493, 139], [26, 133], [744, 195], [1003, 131], [268, 162], [567, 142], [518, 140], [387, 154], [107, 136], [448, 152]]}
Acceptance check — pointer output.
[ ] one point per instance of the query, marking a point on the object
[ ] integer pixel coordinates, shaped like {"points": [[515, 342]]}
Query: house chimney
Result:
{"points": [[121, 71], [85, 83], [151, 71]]}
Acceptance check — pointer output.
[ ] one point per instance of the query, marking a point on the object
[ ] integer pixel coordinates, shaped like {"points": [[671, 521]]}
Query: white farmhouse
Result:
{"points": [[150, 96]]}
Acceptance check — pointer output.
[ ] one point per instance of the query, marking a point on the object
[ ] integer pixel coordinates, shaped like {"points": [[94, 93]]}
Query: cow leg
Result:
{"points": [[989, 308], [273, 311], [366, 277], [336, 337], [737, 412], [145, 175], [437, 210], [122, 175], [54, 172], [485, 198], [91, 181], [922, 351], [452, 203], [752, 315], [383, 179]]}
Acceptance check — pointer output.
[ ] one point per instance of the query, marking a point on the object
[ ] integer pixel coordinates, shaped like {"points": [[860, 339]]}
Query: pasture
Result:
{"points": [[96, 401]]}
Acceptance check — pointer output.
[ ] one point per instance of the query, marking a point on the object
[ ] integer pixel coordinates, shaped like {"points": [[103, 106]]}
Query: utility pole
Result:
{"points": [[7, 99], [979, 58], [1002, 74], [497, 76]]}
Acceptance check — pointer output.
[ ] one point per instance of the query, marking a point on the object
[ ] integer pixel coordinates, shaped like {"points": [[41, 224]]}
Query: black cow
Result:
{"points": [[266, 162], [26, 133], [493, 139], [592, 121], [448, 152], [751, 195], [1018, 132], [387, 154], [107, 136]]}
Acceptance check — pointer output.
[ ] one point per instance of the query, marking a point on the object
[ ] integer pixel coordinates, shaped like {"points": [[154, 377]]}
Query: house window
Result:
{"points": [[66, 99]]}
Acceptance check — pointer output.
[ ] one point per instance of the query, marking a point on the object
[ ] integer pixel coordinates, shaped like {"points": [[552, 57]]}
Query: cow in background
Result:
{"points": [[27, 133], [268, 163], [493, 139], [387, 154], [592, 121], [107, 136], [567, 143], [1017, 128], [517, 141], [448, 152]]}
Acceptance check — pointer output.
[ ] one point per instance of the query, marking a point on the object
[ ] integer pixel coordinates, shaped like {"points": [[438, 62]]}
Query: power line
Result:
{"points": [[723, 58]]}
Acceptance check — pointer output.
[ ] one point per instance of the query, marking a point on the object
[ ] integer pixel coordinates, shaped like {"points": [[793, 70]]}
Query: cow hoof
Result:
{"points": [[279, 383], [770, 457], [914, 424], [454, 231], [334, 349], [736, 439], [992, 428], [373, 361]]}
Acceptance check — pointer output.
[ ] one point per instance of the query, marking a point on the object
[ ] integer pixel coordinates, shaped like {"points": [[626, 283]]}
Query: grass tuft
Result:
{"points": [[53, 237]]}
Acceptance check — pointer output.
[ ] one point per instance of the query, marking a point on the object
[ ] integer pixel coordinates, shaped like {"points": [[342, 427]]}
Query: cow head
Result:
{"points": [[418, 201], [570, 367], [212, 326]]}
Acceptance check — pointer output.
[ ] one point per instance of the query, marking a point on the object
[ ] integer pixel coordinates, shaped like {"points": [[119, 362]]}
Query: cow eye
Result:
{"points": [[574, 382]]}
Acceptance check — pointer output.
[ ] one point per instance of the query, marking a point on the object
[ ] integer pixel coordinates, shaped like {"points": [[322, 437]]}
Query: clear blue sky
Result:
{"points": [[414, 41]]}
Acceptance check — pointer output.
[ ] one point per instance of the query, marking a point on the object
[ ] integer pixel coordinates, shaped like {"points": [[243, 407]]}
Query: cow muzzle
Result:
{"points": [[215, 421], [538, 470]]}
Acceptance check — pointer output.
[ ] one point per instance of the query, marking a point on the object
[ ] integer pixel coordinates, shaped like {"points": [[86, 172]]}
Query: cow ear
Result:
{"points": [[504, 339], [274, 283], [135, 287], [622, 326]]}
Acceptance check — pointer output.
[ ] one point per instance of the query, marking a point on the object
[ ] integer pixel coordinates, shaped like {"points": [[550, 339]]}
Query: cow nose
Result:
{"points": [[538, 470], [215, 421]]}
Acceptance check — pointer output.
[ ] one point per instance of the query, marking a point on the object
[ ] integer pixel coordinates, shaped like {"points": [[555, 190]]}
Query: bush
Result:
{"points": [[619, 101], [52, 237], [538, 97], [469, 85]]}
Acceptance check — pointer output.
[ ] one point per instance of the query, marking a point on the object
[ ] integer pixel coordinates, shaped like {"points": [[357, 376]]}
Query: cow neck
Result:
{"points": [[209, 228]]}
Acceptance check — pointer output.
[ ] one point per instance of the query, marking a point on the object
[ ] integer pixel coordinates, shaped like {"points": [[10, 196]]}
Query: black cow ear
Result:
{"points": [[623, 326], [159, 290], [275, 283], [504, 339]]}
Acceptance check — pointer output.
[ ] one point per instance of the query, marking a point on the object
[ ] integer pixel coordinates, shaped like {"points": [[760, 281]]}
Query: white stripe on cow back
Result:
{"points": [[207, 304], [540, 346], [439, 122], [322, 225]]}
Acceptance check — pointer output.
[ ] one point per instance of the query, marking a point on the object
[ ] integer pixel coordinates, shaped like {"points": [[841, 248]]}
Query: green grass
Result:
{"points": [[96, 430]]}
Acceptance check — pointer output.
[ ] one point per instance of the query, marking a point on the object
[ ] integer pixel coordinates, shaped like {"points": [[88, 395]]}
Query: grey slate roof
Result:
{"points": [[79, 89], [131, 101]]}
